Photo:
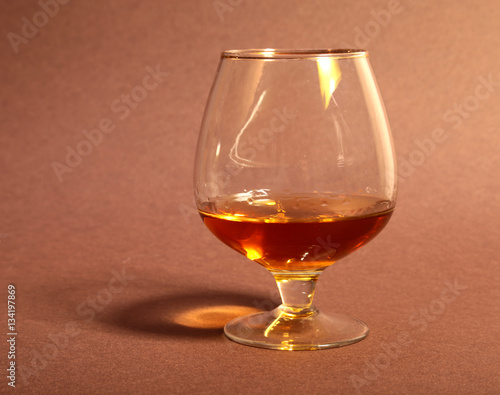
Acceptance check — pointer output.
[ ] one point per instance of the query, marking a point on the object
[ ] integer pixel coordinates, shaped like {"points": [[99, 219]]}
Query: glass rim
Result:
{"points": [[271, 53]]}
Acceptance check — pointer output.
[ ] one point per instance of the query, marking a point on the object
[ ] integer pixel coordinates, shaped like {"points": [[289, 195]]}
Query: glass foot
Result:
{"points": [[280, 330]]}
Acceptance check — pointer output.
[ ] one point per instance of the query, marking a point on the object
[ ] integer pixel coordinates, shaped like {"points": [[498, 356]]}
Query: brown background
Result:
{"points": [[127, 207]]}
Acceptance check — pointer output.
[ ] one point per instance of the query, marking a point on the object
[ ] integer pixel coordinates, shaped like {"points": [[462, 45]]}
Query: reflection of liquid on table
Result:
{"points": [[211, 317]]}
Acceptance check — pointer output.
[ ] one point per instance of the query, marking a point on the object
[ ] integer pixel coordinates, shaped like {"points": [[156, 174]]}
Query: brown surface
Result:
{"points": [[127, 206]]}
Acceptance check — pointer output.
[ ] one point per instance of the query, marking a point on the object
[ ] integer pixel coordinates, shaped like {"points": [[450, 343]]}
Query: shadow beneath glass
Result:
{"points": [[198, 314]]}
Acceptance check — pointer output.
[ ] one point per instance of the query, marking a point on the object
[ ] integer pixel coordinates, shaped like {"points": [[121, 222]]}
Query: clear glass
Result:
{"points": [[295, 169]]}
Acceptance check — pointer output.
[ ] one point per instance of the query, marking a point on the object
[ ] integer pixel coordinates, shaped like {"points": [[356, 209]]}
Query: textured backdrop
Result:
{"points": [[120, 289]]}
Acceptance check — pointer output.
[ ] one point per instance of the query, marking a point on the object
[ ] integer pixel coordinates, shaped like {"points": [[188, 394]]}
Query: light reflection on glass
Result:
{"points": [[253, 253], [233, 154], [329, 78]]}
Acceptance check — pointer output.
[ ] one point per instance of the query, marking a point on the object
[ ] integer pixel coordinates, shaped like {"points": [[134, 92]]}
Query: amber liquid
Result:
{"points": [[296, 232]]}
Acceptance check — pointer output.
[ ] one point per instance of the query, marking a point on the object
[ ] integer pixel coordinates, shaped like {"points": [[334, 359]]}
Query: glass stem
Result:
{"points": [[297, 292]]}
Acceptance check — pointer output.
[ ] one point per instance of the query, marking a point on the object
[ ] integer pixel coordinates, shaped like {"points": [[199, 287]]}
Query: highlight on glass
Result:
{"points": [[295, 169]]}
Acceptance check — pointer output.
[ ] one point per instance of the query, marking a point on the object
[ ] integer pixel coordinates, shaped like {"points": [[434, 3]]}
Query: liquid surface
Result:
{"points": [[295, 232]]}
